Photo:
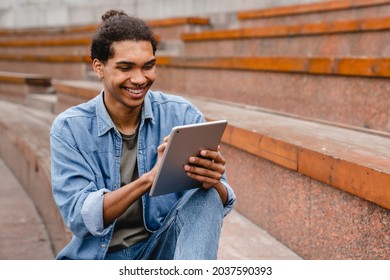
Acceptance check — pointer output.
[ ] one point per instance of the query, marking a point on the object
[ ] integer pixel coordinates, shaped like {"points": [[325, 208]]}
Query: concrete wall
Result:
{"points": [[38, 13]]}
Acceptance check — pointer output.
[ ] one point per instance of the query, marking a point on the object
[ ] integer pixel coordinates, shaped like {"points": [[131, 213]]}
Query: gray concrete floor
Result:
{"points": [[22, 233], [243, 240]]}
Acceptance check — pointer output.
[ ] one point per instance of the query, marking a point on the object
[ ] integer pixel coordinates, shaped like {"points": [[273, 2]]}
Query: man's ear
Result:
{"points": [[98, 67]]}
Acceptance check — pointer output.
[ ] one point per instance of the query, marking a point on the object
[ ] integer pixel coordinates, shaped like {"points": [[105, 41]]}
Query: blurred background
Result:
{"points": [[43, 13]]}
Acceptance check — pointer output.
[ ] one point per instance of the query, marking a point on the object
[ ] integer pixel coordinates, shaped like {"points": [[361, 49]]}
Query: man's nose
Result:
{"points": [[138, 77]]}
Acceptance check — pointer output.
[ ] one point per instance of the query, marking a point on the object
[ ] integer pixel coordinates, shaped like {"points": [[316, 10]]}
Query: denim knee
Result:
{"points": [[201, 202]]}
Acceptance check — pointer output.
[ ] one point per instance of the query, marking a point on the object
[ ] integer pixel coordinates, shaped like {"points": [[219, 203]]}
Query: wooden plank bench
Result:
{"points": [[323, 75], [51, 46], [76, 40], [349, 91], [346, 54], [68, 32], [74, 32], [359, 37], [171, 28], [56, 66], [317, 11], [347, 66], [18, 87]]}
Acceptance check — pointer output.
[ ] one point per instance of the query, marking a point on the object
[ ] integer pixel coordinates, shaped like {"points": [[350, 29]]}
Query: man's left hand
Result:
{"points": [[208, 168]]}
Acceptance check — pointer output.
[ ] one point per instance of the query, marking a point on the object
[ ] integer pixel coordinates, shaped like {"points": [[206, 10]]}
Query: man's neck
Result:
{"points": [[125, 119]]}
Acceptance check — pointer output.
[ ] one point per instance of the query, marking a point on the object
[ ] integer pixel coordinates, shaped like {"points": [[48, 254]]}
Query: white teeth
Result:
{"points": [[135, 91]]}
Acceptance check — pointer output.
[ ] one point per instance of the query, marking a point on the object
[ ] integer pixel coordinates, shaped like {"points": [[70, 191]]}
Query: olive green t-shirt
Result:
{"points": [[129, 227]]}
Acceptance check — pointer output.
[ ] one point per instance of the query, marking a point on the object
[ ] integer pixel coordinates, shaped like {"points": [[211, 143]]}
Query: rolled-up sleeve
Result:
{"points": [[231, 197], [92, 213], [78, 199]]}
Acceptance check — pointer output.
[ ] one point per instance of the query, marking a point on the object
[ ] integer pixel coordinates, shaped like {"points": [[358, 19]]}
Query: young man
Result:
{"points": [[105, 154]]}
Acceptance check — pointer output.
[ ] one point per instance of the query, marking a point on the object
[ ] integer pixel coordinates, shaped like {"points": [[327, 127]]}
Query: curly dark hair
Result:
{"points": [[117, 26]]}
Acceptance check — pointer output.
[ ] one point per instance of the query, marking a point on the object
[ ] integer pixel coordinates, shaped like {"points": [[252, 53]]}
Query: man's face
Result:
{"points": [[129, 74]]}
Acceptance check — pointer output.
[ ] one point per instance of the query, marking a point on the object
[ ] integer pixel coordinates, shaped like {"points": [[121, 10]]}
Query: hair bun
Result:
{"points": [[112, 13]]}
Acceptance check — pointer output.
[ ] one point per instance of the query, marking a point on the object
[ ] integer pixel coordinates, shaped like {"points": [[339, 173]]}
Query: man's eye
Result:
{"points": [[148, 66]]}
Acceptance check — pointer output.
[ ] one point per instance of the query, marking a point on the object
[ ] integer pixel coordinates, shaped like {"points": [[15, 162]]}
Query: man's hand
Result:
{"points": [[160, 152], [116, 202], [208, 168]]}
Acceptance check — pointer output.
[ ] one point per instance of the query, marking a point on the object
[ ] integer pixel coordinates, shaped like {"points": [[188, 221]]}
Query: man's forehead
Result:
{"points": [[132, 46], [134, 52], [127, 62]]}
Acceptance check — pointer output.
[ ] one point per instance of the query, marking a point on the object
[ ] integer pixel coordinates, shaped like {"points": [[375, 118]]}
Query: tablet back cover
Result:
{"points": [[185, 141]]}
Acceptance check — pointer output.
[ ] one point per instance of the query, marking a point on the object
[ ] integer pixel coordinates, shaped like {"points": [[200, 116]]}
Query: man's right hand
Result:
{"points": [[160, 152]]}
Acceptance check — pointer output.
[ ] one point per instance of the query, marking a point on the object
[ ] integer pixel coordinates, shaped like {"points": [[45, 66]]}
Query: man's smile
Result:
{"points": [[134, 90]]}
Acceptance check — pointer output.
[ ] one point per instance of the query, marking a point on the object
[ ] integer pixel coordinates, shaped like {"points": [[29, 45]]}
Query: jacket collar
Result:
{"points": [[104, 120]]}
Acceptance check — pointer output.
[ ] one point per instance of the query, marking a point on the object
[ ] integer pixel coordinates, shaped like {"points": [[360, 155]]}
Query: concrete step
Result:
{"points": [[23, 235], [42, 102], [314, 11], [344, 94], [365, 37], [243, 240]]}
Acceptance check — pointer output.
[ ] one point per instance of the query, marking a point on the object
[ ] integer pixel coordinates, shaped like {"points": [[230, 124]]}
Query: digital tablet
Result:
{"points": [[185, 141]]}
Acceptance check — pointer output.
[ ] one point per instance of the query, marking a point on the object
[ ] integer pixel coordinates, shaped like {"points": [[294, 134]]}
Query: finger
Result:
{"points": [[213, 155], [207, 164], [166, 138], [203, 172], [214, 160], [207, 182], [161, 148]]}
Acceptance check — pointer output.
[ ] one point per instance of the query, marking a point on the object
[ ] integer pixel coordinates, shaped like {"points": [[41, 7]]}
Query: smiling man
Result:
{"points": [[105, 154]]}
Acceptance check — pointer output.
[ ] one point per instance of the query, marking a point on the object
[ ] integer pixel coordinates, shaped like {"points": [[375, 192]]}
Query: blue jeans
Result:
{"points": [[190, 231]]}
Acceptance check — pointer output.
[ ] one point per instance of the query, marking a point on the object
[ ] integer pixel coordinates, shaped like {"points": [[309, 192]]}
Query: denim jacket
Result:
{"points": [[85, 163]]}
